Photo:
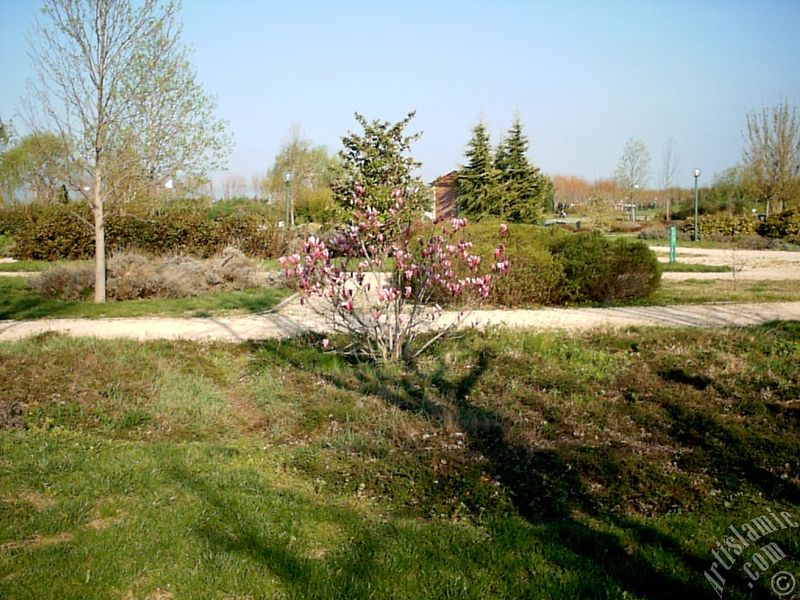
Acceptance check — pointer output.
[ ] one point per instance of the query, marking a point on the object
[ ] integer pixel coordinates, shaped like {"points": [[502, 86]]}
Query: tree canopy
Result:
{"points": [[114, 82], [312, 170], [771, 158], [505, 184], [633, 168], [379, 160]]}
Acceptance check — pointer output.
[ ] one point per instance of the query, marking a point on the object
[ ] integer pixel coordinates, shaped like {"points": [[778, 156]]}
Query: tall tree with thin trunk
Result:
{"points": [[771, 158], [112, 80], [669, 167], [633, 168]]}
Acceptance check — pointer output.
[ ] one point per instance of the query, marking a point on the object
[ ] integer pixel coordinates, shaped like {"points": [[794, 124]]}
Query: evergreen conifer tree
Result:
{"points": [[476, 182], [523, 189], [379, 161]]}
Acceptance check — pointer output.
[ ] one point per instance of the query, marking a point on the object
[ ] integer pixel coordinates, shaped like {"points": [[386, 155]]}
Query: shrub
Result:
{"points": [[133, 276], [553, 266], [661, 232], [534, 277], [233, 268], [384, 313], [54, 232], [723, 224], [600, 270], [783, 225], [67, 283], [634, 272], [65, 232], [6, 245], [625, 226]]}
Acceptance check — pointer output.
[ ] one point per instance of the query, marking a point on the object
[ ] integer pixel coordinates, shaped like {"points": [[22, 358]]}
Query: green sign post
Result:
{"points": [[673, 239]]}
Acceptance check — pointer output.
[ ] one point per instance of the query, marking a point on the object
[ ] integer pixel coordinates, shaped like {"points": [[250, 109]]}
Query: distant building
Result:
{"points": [[445, 203]]}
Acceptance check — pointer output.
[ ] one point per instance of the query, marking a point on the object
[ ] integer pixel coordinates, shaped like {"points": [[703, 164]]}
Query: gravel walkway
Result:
{"points": [[291, 319]]}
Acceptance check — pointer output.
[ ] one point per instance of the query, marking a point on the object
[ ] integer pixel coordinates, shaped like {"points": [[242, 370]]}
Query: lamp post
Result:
{"points": [[287, 179], [696, 174]]}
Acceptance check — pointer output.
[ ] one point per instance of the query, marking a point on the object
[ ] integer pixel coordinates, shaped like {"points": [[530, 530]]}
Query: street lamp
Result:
{"points": [[287, 179], [696, 174]]}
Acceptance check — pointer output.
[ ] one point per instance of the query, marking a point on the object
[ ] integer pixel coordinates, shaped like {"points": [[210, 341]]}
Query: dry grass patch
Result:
{"points": [[134, 276]]}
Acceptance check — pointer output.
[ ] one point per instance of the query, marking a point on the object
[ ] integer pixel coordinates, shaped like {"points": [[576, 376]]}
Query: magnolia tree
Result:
{"points": [[376, 279]]}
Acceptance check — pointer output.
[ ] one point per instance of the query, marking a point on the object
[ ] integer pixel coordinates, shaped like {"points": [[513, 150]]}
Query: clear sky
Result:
{"points": [[583, 76]]}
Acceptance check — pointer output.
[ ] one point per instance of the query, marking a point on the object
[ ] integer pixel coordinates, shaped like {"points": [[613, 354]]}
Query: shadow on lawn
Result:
{"points": [[547, 484], [547, 491], [26, 304]]}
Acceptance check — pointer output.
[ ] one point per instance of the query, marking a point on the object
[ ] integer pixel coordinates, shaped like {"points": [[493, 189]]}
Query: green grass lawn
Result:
{"points": [[37, 266], [507, 465], [17, 301], [678, 267], [698, 291]]}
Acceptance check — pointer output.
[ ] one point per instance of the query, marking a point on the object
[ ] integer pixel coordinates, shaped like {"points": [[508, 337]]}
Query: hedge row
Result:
{"points": [[785, 225], [723, 224], [66, 232]]}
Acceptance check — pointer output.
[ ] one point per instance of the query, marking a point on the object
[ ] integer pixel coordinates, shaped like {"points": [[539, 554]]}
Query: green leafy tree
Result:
{"points": [[729, 193], [312, 170], [36, 166], [379, 162], [524, 190], [476, 182], [111, 80]]}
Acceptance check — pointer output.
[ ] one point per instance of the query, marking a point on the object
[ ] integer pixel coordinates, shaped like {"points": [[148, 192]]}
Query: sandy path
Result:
{"points": [[291, 319], [750, 264]]}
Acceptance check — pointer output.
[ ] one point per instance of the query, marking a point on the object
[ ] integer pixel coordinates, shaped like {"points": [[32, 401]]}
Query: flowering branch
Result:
{"points": [[376, 278]]}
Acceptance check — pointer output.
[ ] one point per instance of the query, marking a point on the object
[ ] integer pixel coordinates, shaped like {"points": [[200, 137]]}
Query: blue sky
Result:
{"points": [[583, 76]]}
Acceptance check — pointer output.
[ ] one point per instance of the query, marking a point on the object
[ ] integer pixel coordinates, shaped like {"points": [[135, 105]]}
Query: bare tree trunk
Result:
{"points": [[99, 238]]}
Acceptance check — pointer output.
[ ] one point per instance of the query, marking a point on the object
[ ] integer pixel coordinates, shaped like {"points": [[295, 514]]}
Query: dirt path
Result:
{"points": [[750, 264], [291, 319]]}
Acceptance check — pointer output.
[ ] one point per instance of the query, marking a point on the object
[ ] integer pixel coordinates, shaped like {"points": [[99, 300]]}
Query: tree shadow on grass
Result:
{"points": [[548, 483]]}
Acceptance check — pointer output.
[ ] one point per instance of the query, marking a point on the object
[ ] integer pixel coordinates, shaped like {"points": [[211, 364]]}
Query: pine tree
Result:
{"points": [[523, 189], [476, 182]]}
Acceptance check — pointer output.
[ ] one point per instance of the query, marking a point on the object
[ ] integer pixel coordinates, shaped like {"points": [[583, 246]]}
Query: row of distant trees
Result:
{"points": [[767, 177]]}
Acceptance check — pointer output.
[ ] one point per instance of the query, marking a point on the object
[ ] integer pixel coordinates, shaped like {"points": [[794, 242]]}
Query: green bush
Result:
{"points": [[783, 225], [597, 269], [551, 266], [53, 232], [534, 277], [723, 223], [66, 232]]}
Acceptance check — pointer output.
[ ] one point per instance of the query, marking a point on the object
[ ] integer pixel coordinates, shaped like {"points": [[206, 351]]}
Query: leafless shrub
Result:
{"points": [[68, 283], [133, 276]]}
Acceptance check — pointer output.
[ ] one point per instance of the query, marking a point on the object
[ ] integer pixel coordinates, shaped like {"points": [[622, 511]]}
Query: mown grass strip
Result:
{"points": [[18, 301]]}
